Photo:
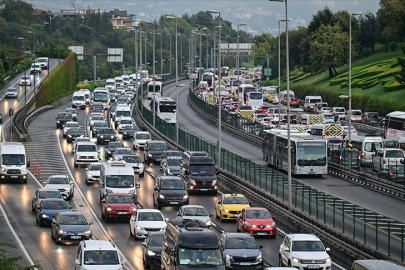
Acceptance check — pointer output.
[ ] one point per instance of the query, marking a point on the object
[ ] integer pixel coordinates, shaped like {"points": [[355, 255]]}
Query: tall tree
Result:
{"points": [[17, 11], [328, 48], [322, 17], [369, 31], [391, 17]]}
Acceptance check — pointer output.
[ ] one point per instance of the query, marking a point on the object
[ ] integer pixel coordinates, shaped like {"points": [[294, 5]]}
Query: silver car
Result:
{"points": [[61, 183], [171, 165], [195, 212], [93, 173], [120, 152]]}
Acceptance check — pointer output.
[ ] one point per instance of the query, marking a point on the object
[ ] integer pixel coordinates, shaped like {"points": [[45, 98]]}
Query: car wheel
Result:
{"points": [[280, 261], [75, 165], [107, 219], [237, 227], [32, 208], [142, 174], [220, 216], [102, 214], [87, 182], [73, 193], [53, 237], [289, 264]]}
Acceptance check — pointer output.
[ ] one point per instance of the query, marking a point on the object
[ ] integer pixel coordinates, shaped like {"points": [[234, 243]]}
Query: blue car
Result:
{"points": [[48, 209]]}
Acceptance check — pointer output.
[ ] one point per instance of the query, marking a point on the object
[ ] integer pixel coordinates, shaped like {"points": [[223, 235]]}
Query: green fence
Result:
{"points": [[372, 229]]}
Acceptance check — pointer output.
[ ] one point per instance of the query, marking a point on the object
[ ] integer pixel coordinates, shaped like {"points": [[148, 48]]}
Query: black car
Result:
{"points": [[371, 118], [168, 153], [112, 147], [70, 227], [153, 151], [106, 135], [97, 125], [73, 133], [240, 251], [129, 131], [169, 190], [62, 118], [393, 173], [48, 209], [152, 249]]}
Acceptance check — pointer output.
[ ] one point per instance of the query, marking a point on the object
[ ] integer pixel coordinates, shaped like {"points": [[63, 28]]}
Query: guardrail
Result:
{"points": [[356, 230]]}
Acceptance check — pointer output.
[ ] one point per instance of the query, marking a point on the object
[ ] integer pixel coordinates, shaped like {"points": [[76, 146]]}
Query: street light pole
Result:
{"points": [[31, 32], [279, 71], [206, 50], [154, 74], [237, 50], [170, 48], [161, 54]]}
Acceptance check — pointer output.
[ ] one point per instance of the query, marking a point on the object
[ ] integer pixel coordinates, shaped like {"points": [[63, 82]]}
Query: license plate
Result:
{"points": [[204, 189], [311, 172], [14, 176], [261, 233], [400, 175], [167, 119], [313, 267], [174, 202], [106, 140], [245, 263], [235, 215], [76, 237], [122, 213]]}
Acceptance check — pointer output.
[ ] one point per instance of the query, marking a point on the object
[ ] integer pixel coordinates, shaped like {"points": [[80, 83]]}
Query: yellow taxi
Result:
{"points": [[271, 97], [230, 205]]}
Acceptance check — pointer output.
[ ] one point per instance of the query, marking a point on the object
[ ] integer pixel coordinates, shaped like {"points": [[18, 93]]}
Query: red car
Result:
{"points": [[117, 206], [294, 102], [256, 221]]}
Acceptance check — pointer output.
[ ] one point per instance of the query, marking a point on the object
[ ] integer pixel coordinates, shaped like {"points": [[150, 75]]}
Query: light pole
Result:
{"points": [[154, 74], [161, 54], [219, 79], [31, 32], [206, 50], [170, 48], [215, 48], [140, 69], [59, 19], [200, 60], [279, 67], [237, 49], [181, 53]]}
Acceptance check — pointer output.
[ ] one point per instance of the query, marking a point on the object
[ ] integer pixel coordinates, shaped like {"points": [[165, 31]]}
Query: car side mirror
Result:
{"points": [[186, 172], [210, 215], [101, 185], [286, 249], [53, 221], [98, 151], [251, 204], [179, 215], [44, 183], [219, 201], [123, 261], [137, 185], [260, 246], [144, 244], [90, 222], [56, 118], [28, 163], [71, 182], [327, 249], [155, 188], [167, 220], [103, 200], [77, 262], [87, 169], [217, 172]]}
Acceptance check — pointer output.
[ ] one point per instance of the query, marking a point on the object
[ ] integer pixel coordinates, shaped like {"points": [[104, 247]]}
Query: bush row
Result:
{"points": [[393, 85]]}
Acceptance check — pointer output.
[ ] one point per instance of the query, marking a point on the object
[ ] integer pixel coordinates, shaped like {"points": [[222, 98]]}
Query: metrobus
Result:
{"points": [[325, 131], [255, 99], [165, 109], [155, 87], [309, 156], [394, 124]]}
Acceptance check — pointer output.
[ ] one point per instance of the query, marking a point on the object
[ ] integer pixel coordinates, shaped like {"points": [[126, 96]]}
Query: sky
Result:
{"points": [[261, 16]]}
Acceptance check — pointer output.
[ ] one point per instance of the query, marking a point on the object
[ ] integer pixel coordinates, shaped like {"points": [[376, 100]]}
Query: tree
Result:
{"points": [[322, 17], [17, 11], [328, 48], [391, 17], [401, 61], [10, 263], [369, 31]]}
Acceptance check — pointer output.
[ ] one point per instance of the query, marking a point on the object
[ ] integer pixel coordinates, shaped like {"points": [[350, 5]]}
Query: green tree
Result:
{"points": [[369, 31], [322, 17], [328, 48], [17, 11], [10, 263], [391, 17]]}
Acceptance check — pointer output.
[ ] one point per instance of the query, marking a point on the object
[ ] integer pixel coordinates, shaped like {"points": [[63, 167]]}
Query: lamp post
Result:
{"points": [[279, 72], [200, 60], [161, 54], [181, 53], [215, 48], [206, 50], [140, 69], [170, 48], [237, 49], [219, 79], [154, 73], [31, 32]]}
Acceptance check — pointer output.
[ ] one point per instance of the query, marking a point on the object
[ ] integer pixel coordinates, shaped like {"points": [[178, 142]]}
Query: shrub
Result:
{"points": [[366, 52], [393, 85], [385, 48], [393, 46]]}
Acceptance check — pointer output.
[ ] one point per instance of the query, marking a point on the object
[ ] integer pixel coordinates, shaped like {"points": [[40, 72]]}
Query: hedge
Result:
{"points": [[393, 85]]}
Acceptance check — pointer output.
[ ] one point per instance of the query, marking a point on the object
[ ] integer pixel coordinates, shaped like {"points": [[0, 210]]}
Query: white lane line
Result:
{"points": [[284, 234], [16, 236], [88, 204]]}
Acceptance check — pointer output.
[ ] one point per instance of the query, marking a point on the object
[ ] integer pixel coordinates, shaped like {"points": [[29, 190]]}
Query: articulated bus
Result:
{"points": [[165, 109], [394, 124], [155, 87], [308, 156]]}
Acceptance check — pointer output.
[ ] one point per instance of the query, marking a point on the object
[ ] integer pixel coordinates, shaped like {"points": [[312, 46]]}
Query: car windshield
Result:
{"points": [[131, 128], [65, 116], [143, 136], [120, 181], [125, 151], [13, 159], [25, 77], [195, 211], [58, 180], [100, 124], [87, 148], [55, 205], [150, 216], [97, 117], [258, 214], [120, 199], [339, 110], [235, 200], [394, 168], [202, 170], [132, 159], [107, 131], [123, 113], [73, 220], [372, 146], [356, 113], [94, 167], [189, 256], [75, 130], [174, 162], [115, 145], [47, 194], [394, 154], [172, 184], [101, 257], [240, 243], [75, 124], [156, 240], [157, 146], [80, 98], [126, 122], [307, 246]]}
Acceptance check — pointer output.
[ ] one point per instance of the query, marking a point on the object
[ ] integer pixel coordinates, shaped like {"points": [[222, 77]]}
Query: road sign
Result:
{"points": [[10, 112], [267, 72]]}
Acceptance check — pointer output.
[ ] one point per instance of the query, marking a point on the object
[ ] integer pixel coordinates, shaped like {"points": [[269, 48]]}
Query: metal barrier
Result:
{"points": [[363, 230]]}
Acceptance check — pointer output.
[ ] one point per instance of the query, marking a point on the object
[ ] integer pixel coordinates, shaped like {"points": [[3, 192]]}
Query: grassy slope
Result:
{"points": [[322, 79]]}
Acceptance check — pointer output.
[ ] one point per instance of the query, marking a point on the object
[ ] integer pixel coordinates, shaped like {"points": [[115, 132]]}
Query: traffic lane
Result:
{"points": [[369, 199], [36, 240]]}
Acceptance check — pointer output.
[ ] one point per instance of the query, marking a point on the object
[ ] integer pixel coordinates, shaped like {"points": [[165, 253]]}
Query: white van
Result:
{"points": [[109, 83], [43, 62], [118, 81], [85, 153], [78, 100], [310, 102], [13, 162], [367, 145], [255, 100], [117, 177], [375, 265], [87, 96]]}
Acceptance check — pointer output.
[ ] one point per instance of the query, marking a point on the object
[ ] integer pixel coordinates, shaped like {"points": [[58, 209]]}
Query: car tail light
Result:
{"points": [[392, 174]]}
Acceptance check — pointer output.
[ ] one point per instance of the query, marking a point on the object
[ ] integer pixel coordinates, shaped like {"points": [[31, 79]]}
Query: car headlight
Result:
{"points": [[3, 169], [58, 121], [247, 224], [259, 258], [273, 225], [185, 197], [150, 155], [228, 260], [140, 165], [24, 170], [109, 209], [214, 183], [44, 216], [101, 136], [70, 136], [328, 260], [208, 223], [78, 157], [296, 260], [109, 191], [133, 209], [112, 136], [161, 196], [168, 170], [139, 228], [62, 231], [226, 210], [131, 192], [125, 133], [87, 232], [192, 182], [151, 253], [95, 157]]}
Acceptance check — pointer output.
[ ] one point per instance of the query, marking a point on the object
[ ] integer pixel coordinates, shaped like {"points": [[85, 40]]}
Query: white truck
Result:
{"points": [[13, 162]]}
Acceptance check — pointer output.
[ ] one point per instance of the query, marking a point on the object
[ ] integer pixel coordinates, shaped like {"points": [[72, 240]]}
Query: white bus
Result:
{"points": [[309, 156], [394, 124], [367, 145], [155, 87], [166, 109], [255, 100], [101, 95], [326, 131]]}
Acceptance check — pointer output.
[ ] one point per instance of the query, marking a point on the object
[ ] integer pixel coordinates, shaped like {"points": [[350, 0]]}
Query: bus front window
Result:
{"points": [[311, 153]]}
